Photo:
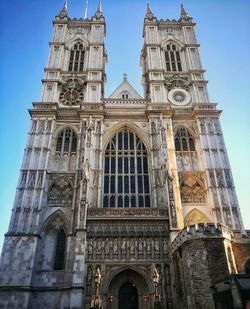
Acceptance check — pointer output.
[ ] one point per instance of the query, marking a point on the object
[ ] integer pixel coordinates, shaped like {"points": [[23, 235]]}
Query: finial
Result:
{"points": [[98, 13], [125, 77], [86, 9], [184, 14], [65, 7], [99, 9], [149, 13], [64, 11]]}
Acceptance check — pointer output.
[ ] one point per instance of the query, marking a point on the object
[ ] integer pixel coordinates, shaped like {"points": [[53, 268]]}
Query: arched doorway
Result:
{"points": [[128, 296], [128, 290]]}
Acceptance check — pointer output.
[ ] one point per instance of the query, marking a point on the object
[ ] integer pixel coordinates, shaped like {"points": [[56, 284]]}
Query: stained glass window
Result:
{"points": [[126, 178]]}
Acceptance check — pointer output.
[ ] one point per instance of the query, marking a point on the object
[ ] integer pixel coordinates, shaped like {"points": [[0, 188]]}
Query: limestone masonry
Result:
{"points": [[125, 202]]}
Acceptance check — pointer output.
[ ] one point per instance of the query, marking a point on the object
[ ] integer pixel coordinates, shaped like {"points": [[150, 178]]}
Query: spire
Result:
{"points": [[98, 13], [64, 11], [99, 9], [86, 9], [184, 14], [149, 14], [65, 7]]}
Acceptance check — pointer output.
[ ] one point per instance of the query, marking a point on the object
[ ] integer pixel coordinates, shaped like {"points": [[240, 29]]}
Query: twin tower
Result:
{"points": [[125, 201]]}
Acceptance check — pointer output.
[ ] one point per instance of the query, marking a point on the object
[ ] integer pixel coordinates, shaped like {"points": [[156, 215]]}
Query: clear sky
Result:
{"points": [[26, 28]]}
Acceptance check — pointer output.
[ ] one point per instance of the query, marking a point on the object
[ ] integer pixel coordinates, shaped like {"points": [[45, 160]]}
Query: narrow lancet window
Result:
{"points": [[60, 250], [184, 140], [66, 142], [172, 57], [76, 60]]}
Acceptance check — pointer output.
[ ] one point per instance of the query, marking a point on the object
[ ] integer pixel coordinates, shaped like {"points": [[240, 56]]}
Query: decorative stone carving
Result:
{"points": [[212, 178], [60, 192], [32, 179], [172, 202], [177, 81], [33, 127], [72, 91], [23, 178], [195, 217], [202, 127], [192, 189], [220, 180], [41, 127], [228, 179]]}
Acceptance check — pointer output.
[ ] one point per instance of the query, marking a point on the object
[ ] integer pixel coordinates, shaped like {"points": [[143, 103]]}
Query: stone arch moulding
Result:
{"points": [[195, 216], [58, 130], [172, 40], [108, 279], [190, 130], [125, 125], [52, 217], [78, 38]]}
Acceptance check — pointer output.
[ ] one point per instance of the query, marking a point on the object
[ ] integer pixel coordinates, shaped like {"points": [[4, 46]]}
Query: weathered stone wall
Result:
{"points": [[199, 260], [241, 250]]}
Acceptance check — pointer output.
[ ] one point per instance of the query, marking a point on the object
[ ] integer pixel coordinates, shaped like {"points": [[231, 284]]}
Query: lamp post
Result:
{"points": [[96, 301], [156, 279]]}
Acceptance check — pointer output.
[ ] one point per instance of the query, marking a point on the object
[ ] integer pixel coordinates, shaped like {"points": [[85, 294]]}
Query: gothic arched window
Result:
{"points": [[172, 57], [60, 250], [184, 140], [126, 177], [76, 60], [66, 141]]}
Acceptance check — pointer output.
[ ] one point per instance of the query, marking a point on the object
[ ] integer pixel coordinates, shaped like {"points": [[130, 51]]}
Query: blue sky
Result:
{"points": [[26, 28]]}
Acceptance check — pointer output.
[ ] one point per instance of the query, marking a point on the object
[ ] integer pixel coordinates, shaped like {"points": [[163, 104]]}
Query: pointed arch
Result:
{"points": [[123, 125], [126, 169], [66, 140], [77, 38], [195, 216], [172, 52], [62, 222], [184, 139], [53, 243], [173, 40], [58, 130]]}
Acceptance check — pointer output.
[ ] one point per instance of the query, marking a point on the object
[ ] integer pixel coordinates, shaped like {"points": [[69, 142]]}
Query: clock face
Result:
{"points": [[179, 97], [71, 97]]}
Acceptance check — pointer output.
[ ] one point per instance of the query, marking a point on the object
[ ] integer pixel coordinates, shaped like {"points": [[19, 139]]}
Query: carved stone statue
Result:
{"points": [[86, 171]]}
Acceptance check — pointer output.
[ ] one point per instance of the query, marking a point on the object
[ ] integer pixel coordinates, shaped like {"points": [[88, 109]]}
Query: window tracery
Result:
{"points": [[76, 60], [66, 142], [126, 177], [60, 192], [172, 58], [184, 140]]}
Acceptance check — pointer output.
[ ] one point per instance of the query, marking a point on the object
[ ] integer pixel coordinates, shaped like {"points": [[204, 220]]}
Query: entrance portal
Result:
{"points": [[128, 290], [128, 296]]}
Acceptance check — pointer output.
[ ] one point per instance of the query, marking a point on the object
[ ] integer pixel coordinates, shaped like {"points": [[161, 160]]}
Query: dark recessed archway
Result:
{"points": [[128, 296], [128, 290]]}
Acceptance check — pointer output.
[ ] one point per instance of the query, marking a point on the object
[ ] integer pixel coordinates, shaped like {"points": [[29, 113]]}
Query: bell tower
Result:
{"points": [[77, 58], [175, 86], [48, 213]]}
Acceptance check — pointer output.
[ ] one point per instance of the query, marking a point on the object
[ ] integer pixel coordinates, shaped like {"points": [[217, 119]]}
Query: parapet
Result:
{"points": [[201, 230]]}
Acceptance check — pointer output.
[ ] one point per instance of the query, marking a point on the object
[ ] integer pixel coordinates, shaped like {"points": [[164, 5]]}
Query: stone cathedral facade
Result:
{"points": [[136, 191]]}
